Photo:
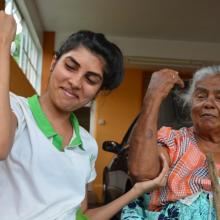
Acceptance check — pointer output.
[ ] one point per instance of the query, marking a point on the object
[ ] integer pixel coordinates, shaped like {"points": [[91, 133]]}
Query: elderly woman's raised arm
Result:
{"points": [[144, 161]]}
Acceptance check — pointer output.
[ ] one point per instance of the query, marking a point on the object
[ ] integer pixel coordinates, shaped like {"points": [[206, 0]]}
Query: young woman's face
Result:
{"points": [[76, 79], [206, 105]]}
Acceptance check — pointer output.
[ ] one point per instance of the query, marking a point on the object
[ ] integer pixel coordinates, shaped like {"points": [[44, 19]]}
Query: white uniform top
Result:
{"points": [[39, 182]]}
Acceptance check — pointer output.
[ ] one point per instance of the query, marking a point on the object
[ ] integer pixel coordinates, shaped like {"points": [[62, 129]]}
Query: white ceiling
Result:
{"points": [[185, 20], [149, 32]]}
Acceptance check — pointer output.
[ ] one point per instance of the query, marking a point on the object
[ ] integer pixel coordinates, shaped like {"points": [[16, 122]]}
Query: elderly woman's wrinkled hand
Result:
{"points": [[159, 181], [162, 82]]}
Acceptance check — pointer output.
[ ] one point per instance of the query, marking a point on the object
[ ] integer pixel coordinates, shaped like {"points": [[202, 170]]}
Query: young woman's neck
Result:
{"points": [[51, 110]]}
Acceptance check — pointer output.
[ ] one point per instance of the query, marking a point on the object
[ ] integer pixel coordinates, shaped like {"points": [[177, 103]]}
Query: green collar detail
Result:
{"points": [[80, 215], [48, 130]]}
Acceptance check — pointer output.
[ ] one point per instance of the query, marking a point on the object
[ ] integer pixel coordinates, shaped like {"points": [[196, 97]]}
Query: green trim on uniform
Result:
{"points": [[77, 141], [80, 216], [48, 130]]}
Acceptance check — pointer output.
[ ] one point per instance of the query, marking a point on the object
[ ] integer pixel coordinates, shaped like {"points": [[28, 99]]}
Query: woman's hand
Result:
{"points": [[7, 29], [159, 181], [107, 211], [162, 82]]}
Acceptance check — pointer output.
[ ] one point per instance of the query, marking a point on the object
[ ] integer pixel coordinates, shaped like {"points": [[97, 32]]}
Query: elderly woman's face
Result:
{"points": [[206, 105]]}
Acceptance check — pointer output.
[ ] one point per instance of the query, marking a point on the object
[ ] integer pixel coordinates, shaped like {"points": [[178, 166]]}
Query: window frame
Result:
{"points": [[30, 54]]}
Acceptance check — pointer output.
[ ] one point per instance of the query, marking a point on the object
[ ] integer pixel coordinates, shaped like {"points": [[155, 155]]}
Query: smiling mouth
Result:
{"points": [[207, 115], [69, 93]]}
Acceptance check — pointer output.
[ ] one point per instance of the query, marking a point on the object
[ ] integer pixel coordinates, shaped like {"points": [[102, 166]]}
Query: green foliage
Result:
{"points": [[16, 52]]}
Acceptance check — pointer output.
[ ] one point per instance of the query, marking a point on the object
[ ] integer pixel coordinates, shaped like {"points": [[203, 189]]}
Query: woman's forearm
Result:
{"points": [[144, 160], [7, 31], [107, 211], [5, 111], [143, 152]]}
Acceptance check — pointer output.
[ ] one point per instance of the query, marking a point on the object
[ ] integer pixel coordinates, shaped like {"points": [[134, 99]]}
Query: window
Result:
{"points": [[26, 51]]}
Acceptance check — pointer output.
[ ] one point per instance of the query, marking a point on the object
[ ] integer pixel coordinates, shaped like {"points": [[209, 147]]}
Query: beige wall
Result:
{"points": [[117, 109]]}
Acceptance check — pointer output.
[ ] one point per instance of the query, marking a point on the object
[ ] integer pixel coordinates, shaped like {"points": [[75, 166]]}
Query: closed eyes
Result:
{"points": [[93, 78]]}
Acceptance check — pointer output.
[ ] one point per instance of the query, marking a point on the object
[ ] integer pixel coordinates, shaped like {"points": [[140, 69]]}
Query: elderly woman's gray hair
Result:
{"points": [[199, 75]]}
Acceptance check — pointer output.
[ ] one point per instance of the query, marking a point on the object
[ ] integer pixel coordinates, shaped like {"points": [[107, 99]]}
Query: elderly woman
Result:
{"points": [[187, 194]]}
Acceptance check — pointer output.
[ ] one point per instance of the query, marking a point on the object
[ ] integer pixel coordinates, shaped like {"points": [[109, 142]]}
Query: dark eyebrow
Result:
{"points": [[205, 90], [200, 89], [90, 72]]}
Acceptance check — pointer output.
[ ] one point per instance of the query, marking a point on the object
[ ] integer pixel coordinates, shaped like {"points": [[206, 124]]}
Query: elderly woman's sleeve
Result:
{"points": [[169, 138]]}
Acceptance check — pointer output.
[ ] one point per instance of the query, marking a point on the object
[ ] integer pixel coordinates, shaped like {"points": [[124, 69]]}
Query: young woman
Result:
{"points": [[47, 159]]}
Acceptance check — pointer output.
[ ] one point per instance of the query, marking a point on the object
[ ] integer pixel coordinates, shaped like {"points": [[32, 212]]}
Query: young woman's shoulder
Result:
{"points": [[17, 101], [89, 142]]}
